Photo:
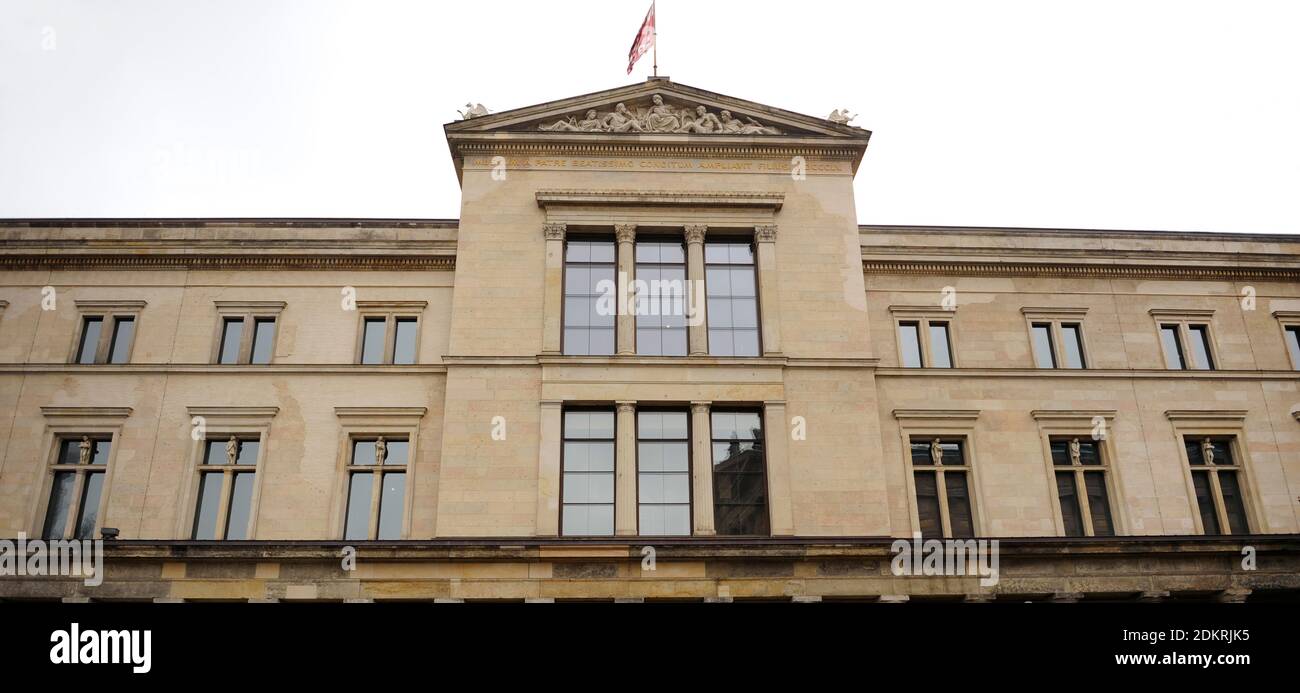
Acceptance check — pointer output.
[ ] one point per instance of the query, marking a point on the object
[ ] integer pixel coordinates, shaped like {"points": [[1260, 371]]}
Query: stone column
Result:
{"points": [[778, 468], [548, 469], [768, 296], [698, 338], [701, 470], [625, 341], [553, 288], [625, 470]]}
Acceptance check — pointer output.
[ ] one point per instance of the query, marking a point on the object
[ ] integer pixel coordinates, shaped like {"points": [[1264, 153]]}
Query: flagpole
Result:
{"points": [[656, 36]]}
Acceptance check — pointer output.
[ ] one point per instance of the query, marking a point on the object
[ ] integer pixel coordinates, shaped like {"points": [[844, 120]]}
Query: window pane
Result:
{"points": [[70, 451], [663, 479], [661, 307], [1293, 345], [263, 340], [216, 452], [1060, 452], [56, 516], [100, 453], [1073, 338], [404, 348], [90, 329], [232, 332], [1205, 502], [89, 510], [372, 341], [1044, 356], [1071, 514], [247, 452], [1233, 504], [205, 514], [1099, 504], [1173, 350], [123, 331], [398, 452], [739, 474], [241, 506], [589, 320], [1199, 336], [910, 338], [959, 513], [358, 515], [587, 484], [363, 452], [730, 288], [940, 350], [392, 503], [927, 505]]}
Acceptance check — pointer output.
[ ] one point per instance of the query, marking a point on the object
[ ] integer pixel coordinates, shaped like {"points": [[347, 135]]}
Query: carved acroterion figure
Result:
{"points": [[473, 111], [841, 116]]}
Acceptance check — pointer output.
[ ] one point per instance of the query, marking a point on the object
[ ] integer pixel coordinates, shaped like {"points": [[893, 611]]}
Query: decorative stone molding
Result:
{"points": [[1206, 414], [695, 233], [93, 305], [1181, 313], [1069, 415], [86, 412], [765, 233], [625, 233], [963, 415], [659, 198], [660, 117], [250, 306], [392, 305], [554, 231], [625, 407], [380, 412], [1028, 269], [1051, 313], [657, 150], [401, 263], [233, 412]]}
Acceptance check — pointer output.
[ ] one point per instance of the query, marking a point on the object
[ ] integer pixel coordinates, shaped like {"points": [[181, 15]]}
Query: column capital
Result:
{"points": [[701, 407], [625, 407], [765, 233], [695, 233], [554, 231], [625, 233]]}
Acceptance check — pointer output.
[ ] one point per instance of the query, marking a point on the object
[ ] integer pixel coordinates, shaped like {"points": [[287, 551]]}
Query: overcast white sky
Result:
{"points": [[1095, 114]]}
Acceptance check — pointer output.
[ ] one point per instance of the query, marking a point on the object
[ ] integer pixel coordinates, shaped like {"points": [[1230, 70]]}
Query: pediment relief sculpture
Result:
{"points": [[660, 117]]}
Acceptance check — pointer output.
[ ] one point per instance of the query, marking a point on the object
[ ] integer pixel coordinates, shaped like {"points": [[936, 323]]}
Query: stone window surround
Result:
{"points": [[221, 423], [1057, 317], [550, 474], [1226, 423], [1078, 423], [108, 310], [67, 422], [923, 315], [390, 311], [942, 423], [250, 311], [1285, 319], [367, 422], [1186, 318]]}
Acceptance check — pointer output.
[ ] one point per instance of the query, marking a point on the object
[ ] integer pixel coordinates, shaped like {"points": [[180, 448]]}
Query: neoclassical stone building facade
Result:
{"points": [[247, 402]]}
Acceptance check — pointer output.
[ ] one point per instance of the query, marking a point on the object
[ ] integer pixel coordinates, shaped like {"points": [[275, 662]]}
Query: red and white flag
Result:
{"points": [[645, 39]]}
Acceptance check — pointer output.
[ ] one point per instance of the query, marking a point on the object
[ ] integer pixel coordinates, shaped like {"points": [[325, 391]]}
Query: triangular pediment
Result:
{"points": [[657, 107]]}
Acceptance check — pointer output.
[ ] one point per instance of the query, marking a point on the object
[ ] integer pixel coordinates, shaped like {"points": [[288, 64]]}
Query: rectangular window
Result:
{"points": [[1044, 353], [1217, 483], [663, 460], [1072, 340], [263, 340], [925, 343], [77, 489], [1057, 344], [376, 499], [123, 333], [739, 474], [943, 499], [1199, 336], [909, 334], [1187, 347], [661, 312], [1081, 487], [97, 346], [1292, 335], [372, 347], [940, 351], [587, 489], [389, 338], [227, 473], [589, 270], [232, 332], [404, 341], [247, 332], [732, 299], [91, 326]]}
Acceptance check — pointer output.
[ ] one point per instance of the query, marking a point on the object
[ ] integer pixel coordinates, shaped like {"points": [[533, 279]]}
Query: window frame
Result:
{"points": [[360, 423], [73, 422], [391, 312], [219, 423], [587, 236], [612, 410], [109, 312], [950, 424], [1219, 424], [1057, 319], [723, 236], [923, 316], [660, 239], [1184, 321], [377, 473], [740, 408], [1288, 321], [690, 464], [966, 469], [228, 473], [1056, 424], [250, 312]]}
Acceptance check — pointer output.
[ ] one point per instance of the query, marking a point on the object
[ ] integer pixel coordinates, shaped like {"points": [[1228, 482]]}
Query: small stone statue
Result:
{"points": [[232, 450], [85, 448], [473, 111], [936, 453], [381, 451], [1075, 451], [841, 116], [1207, 450]]}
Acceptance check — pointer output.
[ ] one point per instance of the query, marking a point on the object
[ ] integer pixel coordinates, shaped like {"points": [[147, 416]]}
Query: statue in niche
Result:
{"points": [[84, 448], [1207, 450], [621, 120], [1076, 450], [232, 450], [381, 451], [936, 452]]}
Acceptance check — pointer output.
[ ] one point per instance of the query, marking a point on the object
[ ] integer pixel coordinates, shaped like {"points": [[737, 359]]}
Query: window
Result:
{"points": [[389, 332], [739, 474], [1185, 339], [247, 332], [663, 459], [106, 337], [227, 474], [1216, 480], [731, 296], [1080, 474], [661, 315], [376, 500], [924, 341], [943, 499], [589, 320], [1058, 344], [587, 488], [77, 489], [1292, 335]]}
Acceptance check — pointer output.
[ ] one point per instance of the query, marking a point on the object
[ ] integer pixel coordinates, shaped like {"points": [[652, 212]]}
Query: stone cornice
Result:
{"points": [[304, 369], [87, 412], [965, 415], [657, 198], [1088, 271], [233, 412], [494, 146], [1071, 414], [380, 412], [1206, 414], [121, 261], [1088, 373]]}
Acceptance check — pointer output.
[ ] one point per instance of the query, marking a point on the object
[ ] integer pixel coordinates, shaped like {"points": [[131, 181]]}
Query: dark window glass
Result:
{"points": [[100, 452], [1205, 501], [927, 505], [90, 330], [1196, 451], [1099, 504], [56, 516], [1293, 345], [1044, 355], [959, 513], [1071, 514], [588, 474], [123, 331], [661, 310], [909, 334], [739, 474], [372, 340], [358, 513], [663, 473], [953, 455], [590, 298], [1073, 339], [1173, 350], [392, 503], [263, 340], [1199, 335], [232, 332], [89, 510], [732, 297], [404, 341], [70, 451], [940, 349], [1232, 503], [247, 452], [205, 516], [1089, 452], [241, 505]]}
